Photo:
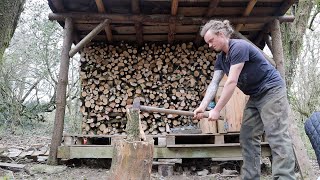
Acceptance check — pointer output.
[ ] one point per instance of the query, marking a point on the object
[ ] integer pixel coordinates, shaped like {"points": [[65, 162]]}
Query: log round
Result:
{"points": [[132, 160]]}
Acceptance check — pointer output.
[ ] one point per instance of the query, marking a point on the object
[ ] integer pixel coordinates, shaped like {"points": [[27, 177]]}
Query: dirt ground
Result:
{"points": [[94, 169]]}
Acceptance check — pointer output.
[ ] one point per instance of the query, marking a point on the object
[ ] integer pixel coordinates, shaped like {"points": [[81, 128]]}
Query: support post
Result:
{"points": [[88, 38], [277, 47], [300, 152], [61, 93]]}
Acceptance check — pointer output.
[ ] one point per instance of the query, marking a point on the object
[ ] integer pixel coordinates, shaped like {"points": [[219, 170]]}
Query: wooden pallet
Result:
{"points": [[169, 140]]}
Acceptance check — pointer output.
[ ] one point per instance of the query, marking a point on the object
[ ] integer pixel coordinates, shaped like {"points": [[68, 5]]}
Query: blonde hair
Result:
{"points": [[216, 26]]}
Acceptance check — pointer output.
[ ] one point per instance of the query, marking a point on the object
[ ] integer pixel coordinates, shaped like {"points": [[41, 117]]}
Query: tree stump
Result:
{"points": [[132, 158]]}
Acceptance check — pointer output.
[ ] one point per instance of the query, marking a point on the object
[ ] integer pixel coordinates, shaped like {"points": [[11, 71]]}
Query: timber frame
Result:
{"points": [[166, 21]]}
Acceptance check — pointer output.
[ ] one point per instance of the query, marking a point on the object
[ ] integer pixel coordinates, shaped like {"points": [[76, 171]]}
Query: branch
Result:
{"points": [[312, 20]]}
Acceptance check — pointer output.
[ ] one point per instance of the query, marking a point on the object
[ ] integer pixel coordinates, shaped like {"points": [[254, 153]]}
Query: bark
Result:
{"points": [[293, 37], [61, 93], [10, 11]]}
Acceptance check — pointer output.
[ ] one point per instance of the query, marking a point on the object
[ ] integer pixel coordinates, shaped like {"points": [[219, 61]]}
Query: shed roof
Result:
{"points": [[167, 20]]}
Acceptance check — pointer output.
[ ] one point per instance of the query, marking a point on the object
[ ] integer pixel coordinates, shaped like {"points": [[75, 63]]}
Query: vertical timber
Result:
{"points": [[61, 93], [277, 47]]}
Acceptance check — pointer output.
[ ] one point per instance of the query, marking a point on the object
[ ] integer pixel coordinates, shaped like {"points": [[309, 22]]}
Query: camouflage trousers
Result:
{"points": [[267, 112]]}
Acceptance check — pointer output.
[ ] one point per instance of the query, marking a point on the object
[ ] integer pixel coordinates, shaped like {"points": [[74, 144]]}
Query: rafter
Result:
{"points": [[107, 28], [162, 18], [88, 38], [247, 12], [211, 8]]}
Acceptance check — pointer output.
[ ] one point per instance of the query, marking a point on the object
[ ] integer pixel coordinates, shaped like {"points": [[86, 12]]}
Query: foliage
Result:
{"points": [[28, 76]]}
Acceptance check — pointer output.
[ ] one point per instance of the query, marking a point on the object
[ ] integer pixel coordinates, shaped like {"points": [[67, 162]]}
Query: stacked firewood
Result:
{"points": [[166, 76]]}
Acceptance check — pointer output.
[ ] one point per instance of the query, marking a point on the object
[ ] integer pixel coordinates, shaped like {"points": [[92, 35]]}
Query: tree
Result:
{"points": [[28, 75], [10, 11], [292, 37]]}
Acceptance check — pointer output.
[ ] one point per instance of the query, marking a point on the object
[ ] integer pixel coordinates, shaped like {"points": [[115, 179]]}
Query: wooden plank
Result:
{"points": [[171, 140], [174, 7], [162, 142], [219, 139], [88, 38], [200, 135], [100, 6], [139, 33], [224, 11], [161, 29], [107, 29], [227, 159], [172, 30], [221, 126], [149, 38], [208, 127], [163, 18], [172, 22], [12, 165], [247, 12], [66, 152], [212, 7], [234, 110]]}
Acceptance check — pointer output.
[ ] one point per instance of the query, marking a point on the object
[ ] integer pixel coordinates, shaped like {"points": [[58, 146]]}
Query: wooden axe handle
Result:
{"points": [[170, 111]]}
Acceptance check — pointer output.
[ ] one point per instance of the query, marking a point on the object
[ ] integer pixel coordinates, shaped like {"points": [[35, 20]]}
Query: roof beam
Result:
{"points": [[88, 38], [163, 18], [107, 28], [247, 12], [172, 22], [211, 8]]}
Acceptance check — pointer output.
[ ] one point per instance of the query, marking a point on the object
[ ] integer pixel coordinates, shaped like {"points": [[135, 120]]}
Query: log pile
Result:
{"points": [[167, 76]]}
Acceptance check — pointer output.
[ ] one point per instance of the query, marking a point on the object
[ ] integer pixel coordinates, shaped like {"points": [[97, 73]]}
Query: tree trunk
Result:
{"points": [[10, 11], [293, 38]]}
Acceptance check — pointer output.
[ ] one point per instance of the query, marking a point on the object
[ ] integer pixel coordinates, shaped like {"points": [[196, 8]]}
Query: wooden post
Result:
{"points": [[132, 158], [300, 152], [61, 93], [277, 47], [88, 38]]}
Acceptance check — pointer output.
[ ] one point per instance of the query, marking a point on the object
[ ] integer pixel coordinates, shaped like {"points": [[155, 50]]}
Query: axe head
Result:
{"points": [[136, 103]]}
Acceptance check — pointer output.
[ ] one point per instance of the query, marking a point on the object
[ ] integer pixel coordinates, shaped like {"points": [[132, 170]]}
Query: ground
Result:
{"points": [[91, 169]]}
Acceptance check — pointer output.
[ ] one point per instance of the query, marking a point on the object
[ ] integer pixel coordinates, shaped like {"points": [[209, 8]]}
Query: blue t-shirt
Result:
{"points": [[257, 75]]}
